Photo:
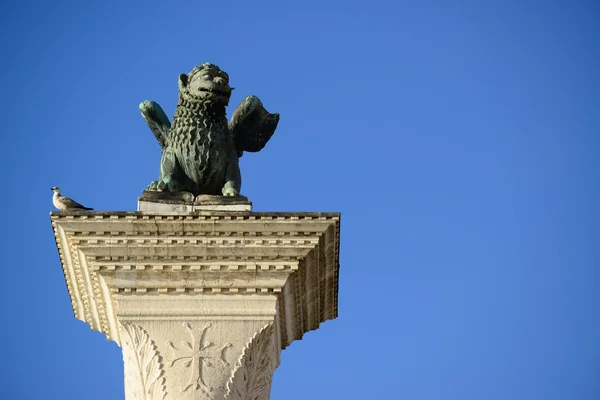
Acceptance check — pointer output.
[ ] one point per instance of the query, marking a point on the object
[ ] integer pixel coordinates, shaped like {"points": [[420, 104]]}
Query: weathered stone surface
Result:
{"points": [[167, 197], [202, 303], [165, 202]]}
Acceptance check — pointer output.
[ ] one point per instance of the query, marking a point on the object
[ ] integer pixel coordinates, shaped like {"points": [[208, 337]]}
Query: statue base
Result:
{"points": [[161, 202]]}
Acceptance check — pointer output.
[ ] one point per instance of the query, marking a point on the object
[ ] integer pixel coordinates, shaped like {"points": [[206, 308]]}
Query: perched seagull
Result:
{"points": [[64, 203]]}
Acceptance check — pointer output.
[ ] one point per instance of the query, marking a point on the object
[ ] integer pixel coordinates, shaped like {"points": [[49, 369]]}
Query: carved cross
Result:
{"points": [[198, 354]]}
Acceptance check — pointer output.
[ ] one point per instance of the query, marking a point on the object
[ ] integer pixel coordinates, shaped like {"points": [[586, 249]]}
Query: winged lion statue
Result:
{"points": [[200, 150]]}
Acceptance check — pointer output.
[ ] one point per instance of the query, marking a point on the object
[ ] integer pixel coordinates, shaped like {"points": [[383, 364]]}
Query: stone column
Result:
{"points": [[202, 302]]}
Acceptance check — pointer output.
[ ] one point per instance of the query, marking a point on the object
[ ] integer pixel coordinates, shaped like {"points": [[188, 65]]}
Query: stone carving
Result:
{"points": [[144, 372], [251, 378], [236, 271], [195, 355], [200, 151], [223, 352]]}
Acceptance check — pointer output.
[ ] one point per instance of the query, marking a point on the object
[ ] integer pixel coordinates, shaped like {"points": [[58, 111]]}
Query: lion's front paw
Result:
{"points": [[166, 184], [156, 186], [230, 190]]}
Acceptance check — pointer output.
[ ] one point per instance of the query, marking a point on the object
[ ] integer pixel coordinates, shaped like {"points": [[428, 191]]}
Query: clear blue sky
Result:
{"points": [[459, 140]]}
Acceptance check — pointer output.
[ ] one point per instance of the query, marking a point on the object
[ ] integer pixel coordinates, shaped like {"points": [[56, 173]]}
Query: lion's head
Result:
{"points": [[204, 83]]}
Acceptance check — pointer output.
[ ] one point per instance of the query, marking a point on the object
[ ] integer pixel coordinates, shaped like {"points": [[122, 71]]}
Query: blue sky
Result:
{"points": [[459, 140]]}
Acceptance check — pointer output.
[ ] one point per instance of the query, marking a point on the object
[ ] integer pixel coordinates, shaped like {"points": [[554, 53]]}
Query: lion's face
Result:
{"points": [[205, 82]]}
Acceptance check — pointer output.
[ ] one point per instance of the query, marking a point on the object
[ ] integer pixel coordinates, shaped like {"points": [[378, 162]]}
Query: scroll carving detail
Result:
{"points": [[253, 372], [144, 372]]}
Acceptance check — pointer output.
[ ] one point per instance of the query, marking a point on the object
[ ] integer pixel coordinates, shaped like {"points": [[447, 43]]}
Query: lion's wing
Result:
{"points": [[157, 120], [252, 125]]}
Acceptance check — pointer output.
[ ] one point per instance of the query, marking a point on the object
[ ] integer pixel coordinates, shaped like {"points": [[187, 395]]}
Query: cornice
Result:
{"points": [[293, 256]]}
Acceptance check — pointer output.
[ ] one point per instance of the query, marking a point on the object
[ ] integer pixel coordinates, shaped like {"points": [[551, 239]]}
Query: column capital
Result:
{"points": [[203, 302]]}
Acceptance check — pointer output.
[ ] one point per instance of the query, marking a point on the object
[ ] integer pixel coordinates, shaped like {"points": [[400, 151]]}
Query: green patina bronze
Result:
{"points": [[200, 150]]}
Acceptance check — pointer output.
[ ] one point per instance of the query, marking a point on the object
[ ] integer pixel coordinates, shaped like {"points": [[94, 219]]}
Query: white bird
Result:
{"points": [[64, 203]]}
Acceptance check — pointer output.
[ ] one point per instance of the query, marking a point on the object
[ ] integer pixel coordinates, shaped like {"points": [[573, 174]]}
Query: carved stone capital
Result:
{"points": [[202, 303], [200, 346], [199, 360]]}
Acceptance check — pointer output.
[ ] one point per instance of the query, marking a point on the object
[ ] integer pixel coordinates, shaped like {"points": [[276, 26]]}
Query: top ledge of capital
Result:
{"points": [[288, 215]]}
